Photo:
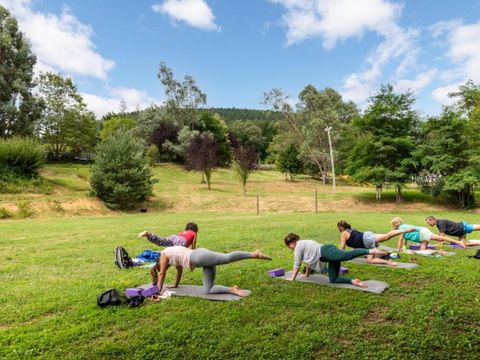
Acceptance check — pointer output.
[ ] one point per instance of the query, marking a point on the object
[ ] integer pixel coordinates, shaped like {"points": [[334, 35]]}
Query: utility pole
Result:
{"points": [[328, 129]]}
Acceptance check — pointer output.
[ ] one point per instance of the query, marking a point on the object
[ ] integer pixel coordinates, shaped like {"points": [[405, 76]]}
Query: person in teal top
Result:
{"points": [[411, 236], [422, 235]]}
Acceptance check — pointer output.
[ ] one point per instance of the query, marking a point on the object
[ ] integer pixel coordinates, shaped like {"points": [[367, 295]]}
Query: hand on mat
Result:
{"points": [[154, 298]]}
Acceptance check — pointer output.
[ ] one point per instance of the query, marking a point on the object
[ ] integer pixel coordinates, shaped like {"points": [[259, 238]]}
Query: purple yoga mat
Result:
{"points": [[417, 247]]}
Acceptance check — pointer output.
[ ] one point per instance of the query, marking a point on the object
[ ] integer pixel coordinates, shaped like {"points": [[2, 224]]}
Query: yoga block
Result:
{"points": [[276, 272], [132, 292], [152, 290], [417, 247], [343, 270]]}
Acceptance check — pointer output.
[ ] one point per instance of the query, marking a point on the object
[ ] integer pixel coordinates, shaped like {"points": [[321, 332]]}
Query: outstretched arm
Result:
{"points": [[163, 271]]}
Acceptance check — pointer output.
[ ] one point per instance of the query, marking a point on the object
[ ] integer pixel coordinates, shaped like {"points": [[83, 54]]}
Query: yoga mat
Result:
{"points": [[400, 265], [374, 286], [197, 291], [388, 248]]}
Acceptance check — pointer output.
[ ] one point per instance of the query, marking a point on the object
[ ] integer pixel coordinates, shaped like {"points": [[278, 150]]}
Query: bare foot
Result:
{"points": [[377, 251], [358, 283], [392, 263], [144, 233], [237, 291], [259, 255]]}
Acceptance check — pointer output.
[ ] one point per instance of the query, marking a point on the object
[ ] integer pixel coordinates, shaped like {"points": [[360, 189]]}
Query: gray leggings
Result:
{"points": [[208, 260]]}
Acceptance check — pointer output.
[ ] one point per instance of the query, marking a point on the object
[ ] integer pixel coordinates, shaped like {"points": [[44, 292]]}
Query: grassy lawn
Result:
{"points": [[52, 270]]}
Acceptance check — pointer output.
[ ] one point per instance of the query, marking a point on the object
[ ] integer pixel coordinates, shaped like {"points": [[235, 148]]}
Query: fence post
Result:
{"points": [[316, 202]]}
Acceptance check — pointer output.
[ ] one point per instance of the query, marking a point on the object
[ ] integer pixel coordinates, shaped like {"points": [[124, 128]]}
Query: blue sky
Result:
{"points": [[237, 49]]}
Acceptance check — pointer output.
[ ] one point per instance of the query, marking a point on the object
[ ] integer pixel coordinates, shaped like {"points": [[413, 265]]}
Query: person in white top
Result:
{"points": [[181, 257]]}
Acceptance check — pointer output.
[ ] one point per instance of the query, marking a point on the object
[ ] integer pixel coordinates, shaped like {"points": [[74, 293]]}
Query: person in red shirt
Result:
{"points": [[186, 238]]}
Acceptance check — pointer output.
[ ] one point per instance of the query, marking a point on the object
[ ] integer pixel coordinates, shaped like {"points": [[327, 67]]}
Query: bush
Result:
{"points": [[120, 175], [24, 208], [5, 213], [21, 157]]}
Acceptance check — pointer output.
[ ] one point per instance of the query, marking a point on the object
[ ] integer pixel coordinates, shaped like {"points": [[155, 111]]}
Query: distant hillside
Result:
{"points": [[229, 115]]}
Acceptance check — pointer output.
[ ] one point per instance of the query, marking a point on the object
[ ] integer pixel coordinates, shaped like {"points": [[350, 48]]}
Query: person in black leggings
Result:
{"points": [[316, 256]]}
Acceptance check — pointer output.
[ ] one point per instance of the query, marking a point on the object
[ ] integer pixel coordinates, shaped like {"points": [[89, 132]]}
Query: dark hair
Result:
{"points": [[154, 272], [291, 238], [430, 217], [192, 226], [344, 224]]}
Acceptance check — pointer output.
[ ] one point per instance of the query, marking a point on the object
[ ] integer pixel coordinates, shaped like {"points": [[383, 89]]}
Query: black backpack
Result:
{"points": [[122, 259], [109, 298], [477, 255]]}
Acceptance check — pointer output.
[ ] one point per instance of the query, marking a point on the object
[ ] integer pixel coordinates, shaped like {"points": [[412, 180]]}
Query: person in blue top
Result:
{"points": [[422, 235]]}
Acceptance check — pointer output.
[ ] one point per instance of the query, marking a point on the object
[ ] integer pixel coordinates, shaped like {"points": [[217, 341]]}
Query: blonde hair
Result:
{"points": [[396, 221]]}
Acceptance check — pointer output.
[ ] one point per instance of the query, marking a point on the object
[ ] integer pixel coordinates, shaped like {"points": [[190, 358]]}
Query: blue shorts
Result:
{"points": [[467, 228]]}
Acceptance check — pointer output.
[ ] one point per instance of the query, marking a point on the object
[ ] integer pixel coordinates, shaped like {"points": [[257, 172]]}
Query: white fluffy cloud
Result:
{"points": [[195, 13], [337, 20], [61, 42], [334, 20], [463, 41], [133, 98], [416, 85]]}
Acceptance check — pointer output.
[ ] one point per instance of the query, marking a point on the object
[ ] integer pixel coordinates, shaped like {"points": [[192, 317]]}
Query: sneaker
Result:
{"points": [[143, 234]]}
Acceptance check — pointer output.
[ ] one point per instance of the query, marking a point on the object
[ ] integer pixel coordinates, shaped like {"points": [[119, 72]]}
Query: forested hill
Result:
{"points": [[229, 115]]}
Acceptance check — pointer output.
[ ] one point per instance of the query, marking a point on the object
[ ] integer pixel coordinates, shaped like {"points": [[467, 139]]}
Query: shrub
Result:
{"points": [[5, 214], [21, 157], [24, 208], [120, 175]]}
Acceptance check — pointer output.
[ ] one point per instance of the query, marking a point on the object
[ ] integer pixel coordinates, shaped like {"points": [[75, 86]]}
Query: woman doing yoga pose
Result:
{"points": [[182, 257], [316, 256]]}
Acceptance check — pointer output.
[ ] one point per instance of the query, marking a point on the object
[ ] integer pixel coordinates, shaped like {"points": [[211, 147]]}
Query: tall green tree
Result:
{"points": [[213, 124], [116, 122], [288, 161], [384, 140], [444, 157], [183, 98], [18, 107], [121, 175], [66, 123]]}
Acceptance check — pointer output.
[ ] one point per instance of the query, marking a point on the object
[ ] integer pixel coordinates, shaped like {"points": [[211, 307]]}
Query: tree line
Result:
{"points": [[387, 142]]}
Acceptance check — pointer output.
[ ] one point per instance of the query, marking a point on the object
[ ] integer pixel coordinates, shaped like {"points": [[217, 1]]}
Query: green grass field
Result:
{"points": [[52, 270]]}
